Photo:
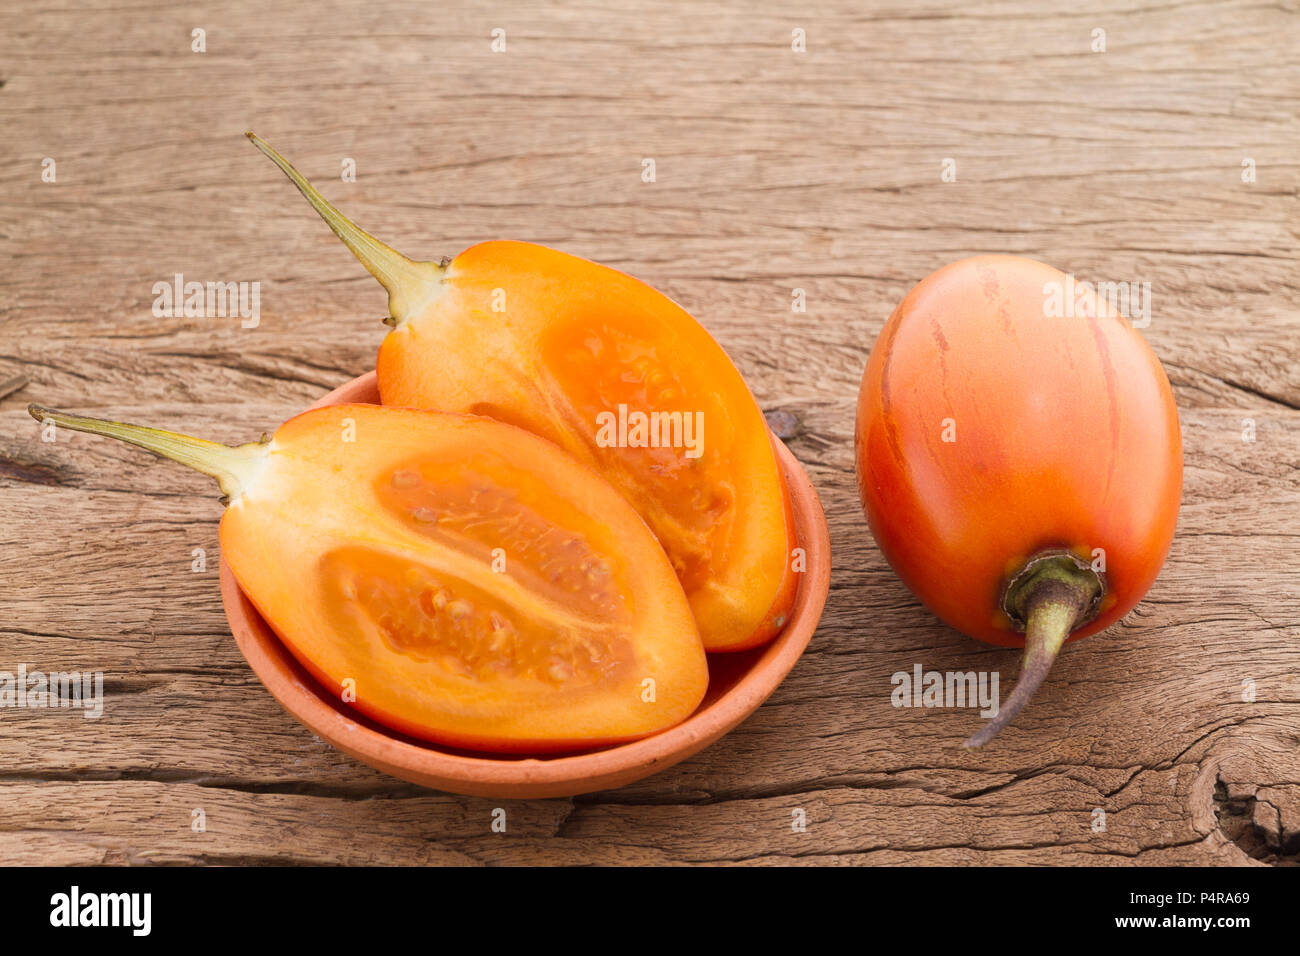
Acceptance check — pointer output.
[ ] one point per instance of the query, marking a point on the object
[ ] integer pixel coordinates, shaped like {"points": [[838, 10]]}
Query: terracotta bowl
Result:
{"points": [[738, 684]]}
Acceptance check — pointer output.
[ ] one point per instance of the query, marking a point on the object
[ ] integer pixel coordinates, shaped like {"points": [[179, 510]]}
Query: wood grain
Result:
{"points": [[774, 170]]}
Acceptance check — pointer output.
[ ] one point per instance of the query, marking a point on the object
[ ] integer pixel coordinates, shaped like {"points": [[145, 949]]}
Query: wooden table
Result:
{"points": [[774, 170]]}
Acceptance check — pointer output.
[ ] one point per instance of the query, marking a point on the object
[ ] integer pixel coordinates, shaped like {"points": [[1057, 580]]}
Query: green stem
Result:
{"points": [[409, 283], [233, 467], [1053, 598]]}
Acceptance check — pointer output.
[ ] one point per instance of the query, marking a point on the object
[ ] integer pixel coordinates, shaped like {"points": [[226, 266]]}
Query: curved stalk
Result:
{"points": [[409, 283], [1055, 597], [232, 467]]}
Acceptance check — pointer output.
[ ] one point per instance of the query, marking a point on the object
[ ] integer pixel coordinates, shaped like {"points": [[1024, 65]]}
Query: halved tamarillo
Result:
{"points": [[618, 375], [1018, 458], [479, 586]]}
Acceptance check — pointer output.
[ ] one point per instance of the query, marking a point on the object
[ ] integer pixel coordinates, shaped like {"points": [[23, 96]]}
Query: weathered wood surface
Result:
{"points": [[775, 170]]}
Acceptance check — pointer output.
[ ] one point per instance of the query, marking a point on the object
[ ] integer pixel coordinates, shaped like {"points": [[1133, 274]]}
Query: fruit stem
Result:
{"points": [[1052, 599], [233, 467], [409, 283]]}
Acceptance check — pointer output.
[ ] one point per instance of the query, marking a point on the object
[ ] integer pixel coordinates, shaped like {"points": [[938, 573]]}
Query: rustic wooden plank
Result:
{"points": [[182, 706], [775, 170]]}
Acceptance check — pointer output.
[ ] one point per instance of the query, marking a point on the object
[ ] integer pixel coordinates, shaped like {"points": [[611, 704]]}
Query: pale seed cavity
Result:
{"points": [[461, 631], [475, 513], [484, 643], [683, 500]]}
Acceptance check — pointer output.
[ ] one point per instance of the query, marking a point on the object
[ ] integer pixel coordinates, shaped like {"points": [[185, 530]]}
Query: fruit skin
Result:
{"points": [[1066, 439]]}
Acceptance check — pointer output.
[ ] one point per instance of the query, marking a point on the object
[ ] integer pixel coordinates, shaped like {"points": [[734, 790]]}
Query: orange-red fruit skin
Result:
{"points": [[1064, 436]]}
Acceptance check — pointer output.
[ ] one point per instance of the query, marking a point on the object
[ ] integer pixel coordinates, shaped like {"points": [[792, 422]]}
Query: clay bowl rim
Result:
{"points": [[464, 772]]}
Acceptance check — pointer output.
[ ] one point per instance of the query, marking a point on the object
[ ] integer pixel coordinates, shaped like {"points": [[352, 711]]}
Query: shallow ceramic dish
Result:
{"points": [[738, 684]]}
